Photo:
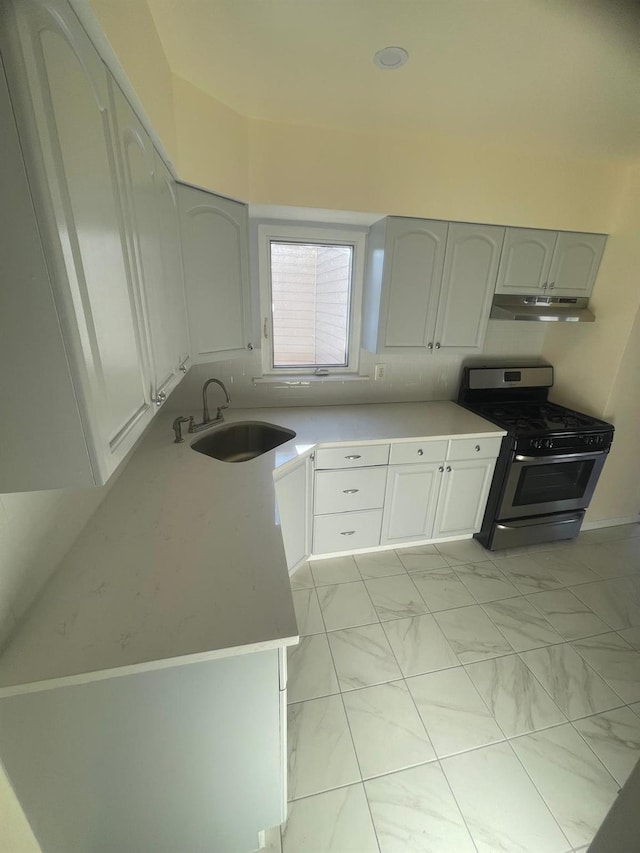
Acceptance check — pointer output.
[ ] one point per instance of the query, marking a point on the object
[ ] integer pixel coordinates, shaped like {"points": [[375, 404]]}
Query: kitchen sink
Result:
{"points": [[242, 441]]}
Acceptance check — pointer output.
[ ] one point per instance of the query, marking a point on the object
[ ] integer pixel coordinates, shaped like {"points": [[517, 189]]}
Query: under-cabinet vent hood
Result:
{"points": [[553, 309]]}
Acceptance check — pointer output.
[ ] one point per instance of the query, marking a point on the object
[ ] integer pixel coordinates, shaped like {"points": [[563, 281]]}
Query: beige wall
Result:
{"points": [[618, 492], [212, 142], [131, 31], [428, 175], [598, 366]]}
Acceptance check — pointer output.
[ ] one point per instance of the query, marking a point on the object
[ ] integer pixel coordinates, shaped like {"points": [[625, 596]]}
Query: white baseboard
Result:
{"points": [[610, 522]]}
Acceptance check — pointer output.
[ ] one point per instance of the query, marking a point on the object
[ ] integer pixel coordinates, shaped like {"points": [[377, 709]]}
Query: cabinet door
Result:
{"points": [[216, 271], [463, 497], [62, 85], [470, 268], [414, 256], [410, 502], [171, 255], [293, 495], [137, 165], [575, 264], [525, 261]]}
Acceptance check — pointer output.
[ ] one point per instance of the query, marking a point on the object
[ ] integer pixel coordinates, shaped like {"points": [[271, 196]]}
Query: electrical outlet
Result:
{"points": [[379, 374]]}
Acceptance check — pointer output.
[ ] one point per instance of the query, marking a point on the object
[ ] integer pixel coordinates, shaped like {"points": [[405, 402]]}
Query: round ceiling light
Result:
{"points": [[391, 57]]}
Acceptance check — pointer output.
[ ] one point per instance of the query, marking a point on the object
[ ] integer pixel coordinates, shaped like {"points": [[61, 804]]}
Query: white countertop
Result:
{"points": [[183, 561]]}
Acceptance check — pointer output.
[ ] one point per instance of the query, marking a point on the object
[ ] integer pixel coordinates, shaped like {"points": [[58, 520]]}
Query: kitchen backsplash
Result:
{"points": [[430, 377]]}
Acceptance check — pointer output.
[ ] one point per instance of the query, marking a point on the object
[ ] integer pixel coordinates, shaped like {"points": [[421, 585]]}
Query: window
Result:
{"points": [[311, 286]]}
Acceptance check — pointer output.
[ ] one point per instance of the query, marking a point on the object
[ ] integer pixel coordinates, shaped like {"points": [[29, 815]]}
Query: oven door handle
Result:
{"points": [[561, 458]]}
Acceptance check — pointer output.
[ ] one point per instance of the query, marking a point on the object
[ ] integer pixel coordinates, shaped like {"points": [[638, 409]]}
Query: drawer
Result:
{"points": [[346, 531], [352, 456], [344, 491], [474, 448], [405, 452]]}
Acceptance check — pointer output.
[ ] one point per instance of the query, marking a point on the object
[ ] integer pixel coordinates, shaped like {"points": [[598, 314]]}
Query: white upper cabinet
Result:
{"points": [[470, 268], [406, 257], [526, 260], [549, 263], [174, 304], [154, 245], [429, 285], [59, 90], [216, 271], [575, 263]]}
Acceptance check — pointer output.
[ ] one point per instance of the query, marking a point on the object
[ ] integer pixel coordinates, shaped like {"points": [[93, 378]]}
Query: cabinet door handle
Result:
{"points": [[441, 468], [437, 346], [353, 456], [544, 286], [347, 533], [183, 368], [477, 448], [350, 491], [159, 400], [552, 285], [448, 469], [420, 452], [429, 345]]}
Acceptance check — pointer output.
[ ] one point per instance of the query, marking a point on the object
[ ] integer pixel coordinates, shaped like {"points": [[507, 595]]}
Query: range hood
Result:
{"points": [[552, 309]]}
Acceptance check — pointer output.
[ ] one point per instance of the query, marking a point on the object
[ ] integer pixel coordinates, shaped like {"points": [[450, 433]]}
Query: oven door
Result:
{"points": [[536, 485]]}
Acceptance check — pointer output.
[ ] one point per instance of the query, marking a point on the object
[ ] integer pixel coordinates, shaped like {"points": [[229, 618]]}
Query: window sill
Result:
{"points": [[291, 380]]}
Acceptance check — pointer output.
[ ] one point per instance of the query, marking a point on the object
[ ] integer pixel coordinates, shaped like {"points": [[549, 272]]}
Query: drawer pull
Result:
{"points": [[477, 448], [350, 491], [347, 533], [353, 456], [421, 452]]}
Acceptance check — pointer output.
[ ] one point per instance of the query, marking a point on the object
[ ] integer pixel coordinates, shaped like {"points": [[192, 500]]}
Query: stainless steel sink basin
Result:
{"points": [[242, 441]]}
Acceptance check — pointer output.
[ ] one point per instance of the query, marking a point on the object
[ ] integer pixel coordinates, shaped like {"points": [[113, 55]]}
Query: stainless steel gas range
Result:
{"points": [[549, 462]]}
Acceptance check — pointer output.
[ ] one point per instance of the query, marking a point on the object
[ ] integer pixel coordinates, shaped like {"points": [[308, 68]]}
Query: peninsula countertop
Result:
{"points": [[184, 560]]}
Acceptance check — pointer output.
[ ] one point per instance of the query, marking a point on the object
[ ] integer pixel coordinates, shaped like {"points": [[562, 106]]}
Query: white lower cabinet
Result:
{"points": [[190, 757], [293, 495], [435, 489], [346, 531], [410, 501], [463, 496]]}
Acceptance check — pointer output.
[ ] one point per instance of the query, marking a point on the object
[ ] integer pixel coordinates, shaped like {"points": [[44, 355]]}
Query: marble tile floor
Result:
{"points": [[447, 699]]}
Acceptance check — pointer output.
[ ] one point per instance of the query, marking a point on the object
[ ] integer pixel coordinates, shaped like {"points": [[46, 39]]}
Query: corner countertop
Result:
{"points": [[184, 561]]}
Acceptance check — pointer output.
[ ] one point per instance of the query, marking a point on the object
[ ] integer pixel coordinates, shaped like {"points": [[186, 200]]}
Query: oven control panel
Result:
{"points": [[566, 443]]}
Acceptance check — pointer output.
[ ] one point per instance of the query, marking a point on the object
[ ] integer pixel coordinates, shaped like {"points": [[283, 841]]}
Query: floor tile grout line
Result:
{"points": [[606, 681], [355, 751], [458, 806], [586, 742], [539, 792], [567, 589], [504, 634], [506, 736], [520, 654]]}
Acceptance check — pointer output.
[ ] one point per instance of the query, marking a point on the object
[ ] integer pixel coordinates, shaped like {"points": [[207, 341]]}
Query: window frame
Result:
{"points": [[309, 234]]}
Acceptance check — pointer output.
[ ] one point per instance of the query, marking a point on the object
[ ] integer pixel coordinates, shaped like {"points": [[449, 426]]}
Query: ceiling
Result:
{"points": [[557, 75]]}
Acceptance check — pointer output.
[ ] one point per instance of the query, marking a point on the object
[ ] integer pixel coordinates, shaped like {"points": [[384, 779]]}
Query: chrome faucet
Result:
{"points": [[207, 420]]}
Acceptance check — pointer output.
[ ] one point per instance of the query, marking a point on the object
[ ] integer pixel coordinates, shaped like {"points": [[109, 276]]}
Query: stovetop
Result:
{"points": [[516, 400], [538, 418]]}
